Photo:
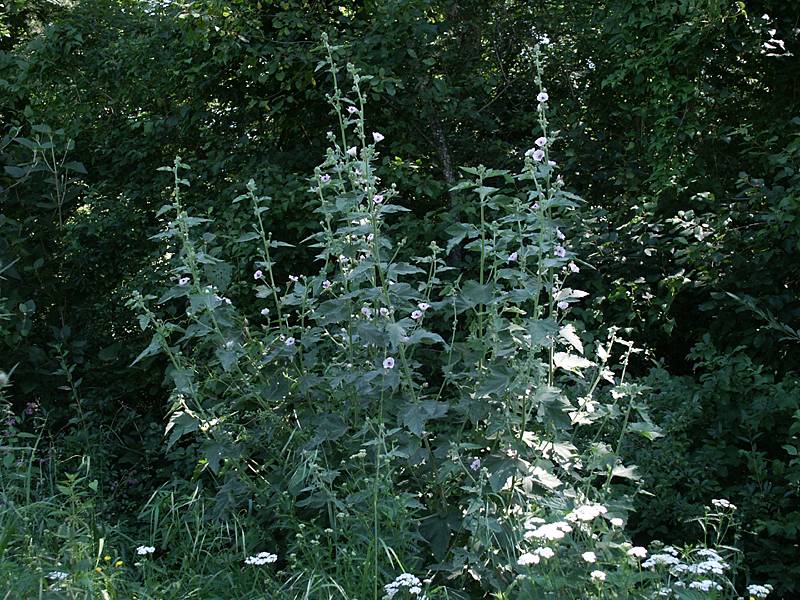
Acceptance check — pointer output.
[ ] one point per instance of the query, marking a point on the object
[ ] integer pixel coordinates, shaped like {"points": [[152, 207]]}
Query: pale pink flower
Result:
{"points": [[513, 257], [475, 465], [563, 305], [366, 311], [384, 311], [352, 110], [417, 314], [352, 151], [294, 278], [574, 268], [325, 178], [183, 281], [289, 341], [542, 97], [378, 198], [258, 275], [326, 285], [538, 155], [388, 363], [378, 137], [560, 251], [541, 142], [423, 306]]}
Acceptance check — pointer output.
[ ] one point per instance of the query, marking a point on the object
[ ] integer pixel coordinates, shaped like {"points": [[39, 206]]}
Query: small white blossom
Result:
{"points": [[528, 559], [724, 504], [290, 341], [598, 575], [378, 199], [258, 274], [637, 552], [352, 109], [513, 257], [542, 97], [57, 575], [264, 312], [573, 267], [183, 281], [417, 314], [325, 178], [145, 550], [537, 155], [262, 558], [759, 591], [589, 557], [352, 151], [423, 306], [326, 285], [378, 137], [388, 363], [384, 311], [541, 142], [545, 552]]}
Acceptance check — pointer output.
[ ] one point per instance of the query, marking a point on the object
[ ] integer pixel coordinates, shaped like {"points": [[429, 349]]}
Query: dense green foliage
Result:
{"points": [[678, 124]]}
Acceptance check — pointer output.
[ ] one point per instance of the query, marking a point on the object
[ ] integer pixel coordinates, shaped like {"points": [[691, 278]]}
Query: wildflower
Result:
{"points": [[423, 306], [513, 257], [560, 235], [724, 504], [262, 558], [660, 559], [119, 563], [587, 512], [183, 281], [598, 575], [564, 305], [388, 363], [384, 311], [326, 285], [538, 155], [541, 142], [378, 198], [589, 557], [145, 550], [264, 312], [259, 274], [366, 311], [290, 341], [574, 268], [352, 151], [406, 580], [759, 591], [475, 465], [705, 586], [107, 558], [528, 559], [325, 178], [57, 575], [550, 531], [294, 278], [417, 314], [637, 552], [352, 110], [378, 137], [544, 552], [542, 97], [560, 251]]}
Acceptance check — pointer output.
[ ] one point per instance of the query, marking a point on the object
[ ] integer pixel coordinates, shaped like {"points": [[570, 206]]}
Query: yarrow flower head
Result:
{"points": [[262, 558], [145, 550], [589, 557], [587, 512], [549, 531], [724, 504], [408, 581], [544, 552], [759, 591], [637, 552], [528, 559], [598, 575], [57, 575]]}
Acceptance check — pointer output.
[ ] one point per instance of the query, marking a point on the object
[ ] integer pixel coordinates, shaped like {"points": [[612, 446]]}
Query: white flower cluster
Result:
{"points": [[723, 504], [759, 591], [262, 558], [637, 552], [660, 559], [408, 581], [716, 567], [145, 550], [57, 575], [549, 531], [587, 512], [705, 586]]}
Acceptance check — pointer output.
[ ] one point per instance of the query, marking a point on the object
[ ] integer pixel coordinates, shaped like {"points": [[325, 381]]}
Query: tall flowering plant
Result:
{"points": [[400, 414]]}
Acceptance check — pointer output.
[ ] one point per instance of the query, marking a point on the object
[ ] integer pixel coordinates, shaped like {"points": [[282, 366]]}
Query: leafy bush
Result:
{"points": [[731, 431]]}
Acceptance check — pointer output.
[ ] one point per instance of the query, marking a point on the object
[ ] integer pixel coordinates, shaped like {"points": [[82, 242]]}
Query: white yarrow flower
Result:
{"points": [[145, 550]]}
